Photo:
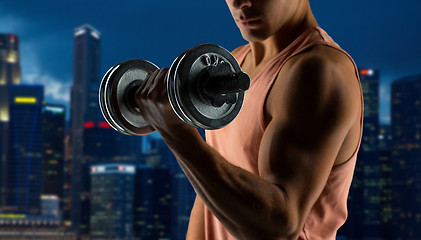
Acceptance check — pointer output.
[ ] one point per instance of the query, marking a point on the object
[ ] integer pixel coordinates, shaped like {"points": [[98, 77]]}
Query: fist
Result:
{"points": [[153, 103]]}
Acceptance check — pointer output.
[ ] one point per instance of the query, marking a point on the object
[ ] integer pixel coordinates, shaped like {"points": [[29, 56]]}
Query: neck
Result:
{"points": [[263, 51]]}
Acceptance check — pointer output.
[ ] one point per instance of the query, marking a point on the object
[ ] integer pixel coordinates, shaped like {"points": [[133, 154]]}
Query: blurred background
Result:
{"points": [[65, 174]]}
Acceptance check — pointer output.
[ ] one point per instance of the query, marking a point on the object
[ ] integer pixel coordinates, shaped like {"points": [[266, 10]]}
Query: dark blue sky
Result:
{"points": [[382, 34]]}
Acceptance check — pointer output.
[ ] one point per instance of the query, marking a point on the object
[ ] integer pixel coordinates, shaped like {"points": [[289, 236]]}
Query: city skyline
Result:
{"points": [[135, 30], [34, 157]]}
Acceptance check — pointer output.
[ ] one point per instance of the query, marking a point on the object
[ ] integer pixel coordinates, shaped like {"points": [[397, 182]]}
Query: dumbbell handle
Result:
{"points": [[130, 96], [219, 85], [233, 83]]}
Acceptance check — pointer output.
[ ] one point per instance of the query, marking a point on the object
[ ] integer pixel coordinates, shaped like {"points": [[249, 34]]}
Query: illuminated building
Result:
{"points": [[153, 203], [24, 163], [9, 59], [53, 133], [50, 206], [84, 108], [183, 195], [23, 226], [9, 74], [112, 201], [35, 227], [93, 141], [67, 184], [370, 87], [9, 70], [103, 145], [406, 158], [364, 197], [385, 181]]}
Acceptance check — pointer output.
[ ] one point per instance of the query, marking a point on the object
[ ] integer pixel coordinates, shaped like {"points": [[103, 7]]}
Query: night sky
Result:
{"points": [[381, 34]]}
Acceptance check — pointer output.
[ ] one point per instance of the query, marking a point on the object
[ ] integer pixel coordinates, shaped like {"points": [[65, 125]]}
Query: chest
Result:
{"points": [[239, 141], [251, 69]]}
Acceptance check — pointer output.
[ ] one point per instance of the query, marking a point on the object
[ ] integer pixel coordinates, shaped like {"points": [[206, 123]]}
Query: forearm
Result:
{"points": [[247, 205]]}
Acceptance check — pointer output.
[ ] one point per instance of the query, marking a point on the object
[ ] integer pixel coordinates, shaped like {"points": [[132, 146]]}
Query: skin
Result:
{"points": [[313, 113]]}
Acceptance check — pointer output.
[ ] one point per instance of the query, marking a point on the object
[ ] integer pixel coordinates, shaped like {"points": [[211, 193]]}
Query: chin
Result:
{"points": [[255, 35]]}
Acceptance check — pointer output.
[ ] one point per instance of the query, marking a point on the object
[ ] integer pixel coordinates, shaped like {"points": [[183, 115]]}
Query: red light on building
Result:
{"points": [[93, 169], [121, 168], [363, 72], [104, 125], [366, 72], [89, 125], [12, 37]]}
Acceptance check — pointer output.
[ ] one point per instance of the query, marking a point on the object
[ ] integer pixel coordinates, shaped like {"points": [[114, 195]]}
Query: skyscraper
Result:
{"points": [[67, 184], [112, 201], [9, 74], [53, 128], [152, 203], [9, 70], [364, 197], [54, 132], [406, 157], [24, 163], [385, 146], [183, 194], [93, 141], [84, 108]]}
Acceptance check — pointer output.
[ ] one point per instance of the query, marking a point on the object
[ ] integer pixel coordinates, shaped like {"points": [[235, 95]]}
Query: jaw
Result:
{"points": [[256, 34]]}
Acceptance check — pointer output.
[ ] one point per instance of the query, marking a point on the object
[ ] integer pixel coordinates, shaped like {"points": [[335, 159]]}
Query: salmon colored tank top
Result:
{"points": [[239, 144]]}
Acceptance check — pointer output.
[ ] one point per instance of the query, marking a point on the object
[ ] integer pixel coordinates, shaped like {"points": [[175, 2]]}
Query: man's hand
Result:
{"points": [[152, 100]]}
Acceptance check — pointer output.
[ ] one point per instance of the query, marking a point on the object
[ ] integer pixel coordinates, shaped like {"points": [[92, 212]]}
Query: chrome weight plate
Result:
{"points": [[183, 87], [102, 101], [117, 107], [172, 89]]}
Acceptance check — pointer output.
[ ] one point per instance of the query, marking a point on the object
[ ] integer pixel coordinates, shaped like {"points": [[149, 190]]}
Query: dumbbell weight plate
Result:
{"points": [[113, 97], [103, 103], [182, 88], [171, 88]]}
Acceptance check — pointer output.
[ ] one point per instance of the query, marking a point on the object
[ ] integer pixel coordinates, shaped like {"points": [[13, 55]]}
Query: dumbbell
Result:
{"points": [[205, 88]]}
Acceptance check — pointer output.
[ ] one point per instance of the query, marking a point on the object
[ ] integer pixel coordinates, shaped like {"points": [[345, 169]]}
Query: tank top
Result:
{"points": [[239, 144]]}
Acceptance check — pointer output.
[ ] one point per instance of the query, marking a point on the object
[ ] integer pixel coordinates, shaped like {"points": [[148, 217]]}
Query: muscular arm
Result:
{"points": [[311, 110]]}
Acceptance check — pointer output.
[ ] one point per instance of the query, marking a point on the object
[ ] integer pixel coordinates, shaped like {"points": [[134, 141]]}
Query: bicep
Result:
{"points": [[300, 168], [300, 144]]}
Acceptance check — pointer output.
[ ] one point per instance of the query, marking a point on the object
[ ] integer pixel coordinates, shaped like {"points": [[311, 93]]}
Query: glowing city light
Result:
{"points": [[366, 72], [25, 100], [88, 125]]}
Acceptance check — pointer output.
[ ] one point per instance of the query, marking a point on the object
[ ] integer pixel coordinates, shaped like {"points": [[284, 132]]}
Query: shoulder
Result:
{"points": [[321, 63], [315, 78], [321, 68]]}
